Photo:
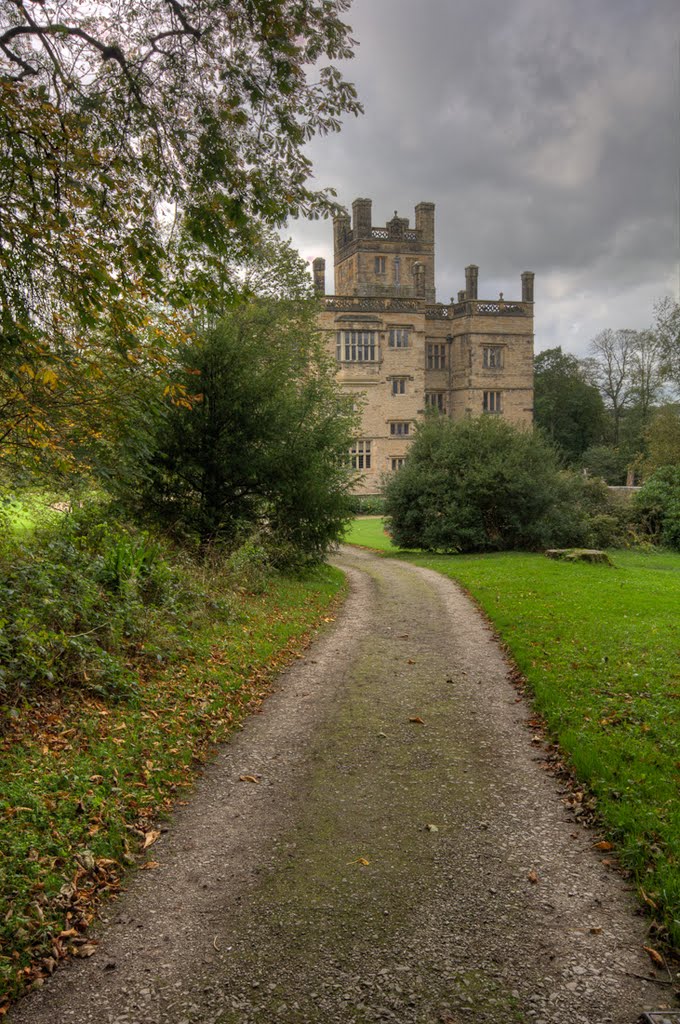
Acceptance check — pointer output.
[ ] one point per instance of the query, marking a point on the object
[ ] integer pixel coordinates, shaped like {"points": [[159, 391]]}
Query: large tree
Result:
{"points": [[663, 439], [609, 368], [667, 331], [566, 406], [142, 147], [264, 442]]}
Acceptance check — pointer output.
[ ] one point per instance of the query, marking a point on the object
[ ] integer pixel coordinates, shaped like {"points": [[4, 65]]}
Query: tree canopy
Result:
{"points": [[566, 406], [263, 445], [143, 147]]}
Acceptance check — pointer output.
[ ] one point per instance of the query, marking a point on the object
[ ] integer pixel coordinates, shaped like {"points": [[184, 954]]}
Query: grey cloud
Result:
{"points": [[545, 132]]}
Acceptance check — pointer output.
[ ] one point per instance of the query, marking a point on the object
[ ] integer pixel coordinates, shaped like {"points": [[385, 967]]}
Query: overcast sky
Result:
{"points": [[547, 133]]}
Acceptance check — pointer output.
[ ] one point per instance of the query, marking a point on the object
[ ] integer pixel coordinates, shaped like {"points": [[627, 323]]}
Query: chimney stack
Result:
{"points": [[528, 286], [319, 273], [361, 218], [425, 221], [471, 275]]}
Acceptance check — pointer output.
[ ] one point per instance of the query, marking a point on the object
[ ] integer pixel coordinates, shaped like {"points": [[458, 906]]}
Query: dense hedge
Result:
{"points": [[484, 485]]}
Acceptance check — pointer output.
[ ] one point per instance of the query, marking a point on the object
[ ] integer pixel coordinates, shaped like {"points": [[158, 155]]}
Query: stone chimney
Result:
{"points": [[425, 221], [528, 286], [319, 272], [361, 218], [471, 275], [342, 230]]}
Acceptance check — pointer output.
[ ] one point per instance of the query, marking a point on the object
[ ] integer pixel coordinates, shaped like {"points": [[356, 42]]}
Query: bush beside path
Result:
{"points": [[91, 765]]}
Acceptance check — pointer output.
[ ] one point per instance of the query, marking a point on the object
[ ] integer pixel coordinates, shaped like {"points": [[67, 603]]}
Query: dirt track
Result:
{"points": [[263, 909]]}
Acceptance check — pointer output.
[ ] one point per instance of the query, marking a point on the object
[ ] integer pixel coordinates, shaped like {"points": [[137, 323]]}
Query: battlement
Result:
{"points": [[431, 311], [398, 229], [396, 259]]}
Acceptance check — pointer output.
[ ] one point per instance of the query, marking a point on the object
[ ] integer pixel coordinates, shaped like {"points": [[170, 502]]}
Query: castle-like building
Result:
{"points": [[401, 352]]}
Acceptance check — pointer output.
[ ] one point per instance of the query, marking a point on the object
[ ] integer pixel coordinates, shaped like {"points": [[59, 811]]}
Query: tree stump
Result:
{"points": [[591, 555]]}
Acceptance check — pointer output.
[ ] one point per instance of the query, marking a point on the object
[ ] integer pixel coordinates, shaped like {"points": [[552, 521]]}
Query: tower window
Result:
{"points": [[360, 455], [436, 355], [397, 270], [400, 428], [380, 265], [355, 346], [399, 385], [397, 463], [492, 357], [492, 401], [398, 338], [435, 400]]}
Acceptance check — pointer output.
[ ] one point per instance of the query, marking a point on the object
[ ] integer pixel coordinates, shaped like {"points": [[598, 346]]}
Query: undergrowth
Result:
{"points": [[125, 659]]}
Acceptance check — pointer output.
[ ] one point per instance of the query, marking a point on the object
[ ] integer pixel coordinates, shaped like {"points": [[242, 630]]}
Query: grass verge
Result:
{"points": [[85, 778], [369, 532], [600, 650]]}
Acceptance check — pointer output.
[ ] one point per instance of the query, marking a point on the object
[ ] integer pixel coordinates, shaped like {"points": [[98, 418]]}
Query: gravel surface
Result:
{"points": [[403, 856]]}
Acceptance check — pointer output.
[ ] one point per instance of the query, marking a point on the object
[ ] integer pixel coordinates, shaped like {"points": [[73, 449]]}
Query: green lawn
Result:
{"points": [[600, 648], [369, 532]]}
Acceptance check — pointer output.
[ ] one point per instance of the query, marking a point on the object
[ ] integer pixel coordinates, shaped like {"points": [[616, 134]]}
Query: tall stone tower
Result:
{"points": [[393, 260], [400, 353]]}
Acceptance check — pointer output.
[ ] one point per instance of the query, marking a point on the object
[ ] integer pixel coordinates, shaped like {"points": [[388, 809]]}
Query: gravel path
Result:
{"points": [[402, 858]]}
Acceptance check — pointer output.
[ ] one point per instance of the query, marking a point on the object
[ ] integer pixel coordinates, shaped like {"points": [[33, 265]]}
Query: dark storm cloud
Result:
{"points": [[546, 133]]}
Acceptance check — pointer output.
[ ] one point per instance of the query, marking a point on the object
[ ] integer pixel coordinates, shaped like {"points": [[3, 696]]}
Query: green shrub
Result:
{"points": [[484, 485], [585, 516], [657, 507], [249, 566], [367, 505], [77, 594], [607, 462]]}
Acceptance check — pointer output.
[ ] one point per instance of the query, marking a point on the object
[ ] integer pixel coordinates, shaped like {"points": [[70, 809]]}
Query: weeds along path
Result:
{"points": [[401, 856]]}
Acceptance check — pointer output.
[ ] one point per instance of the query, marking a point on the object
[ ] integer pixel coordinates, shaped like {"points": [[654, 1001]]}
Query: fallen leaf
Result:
{"points": [[533, 876], [431, 828], [87, 950], [248, 778], [655, 956], [150, 864], [596, 931], [604, 845], [360, 860], [417, 720], [150, 838], [648, 900], [410, 661]]}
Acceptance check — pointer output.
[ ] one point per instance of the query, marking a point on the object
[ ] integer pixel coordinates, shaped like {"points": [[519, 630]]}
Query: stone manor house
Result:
{"points": [[401, 352]]}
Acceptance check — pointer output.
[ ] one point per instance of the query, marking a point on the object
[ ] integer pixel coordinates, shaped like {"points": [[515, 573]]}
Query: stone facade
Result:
{"points": [[400, 351]]}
